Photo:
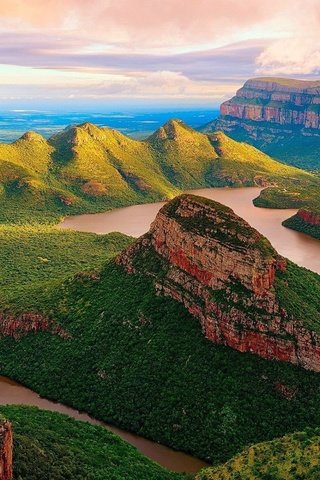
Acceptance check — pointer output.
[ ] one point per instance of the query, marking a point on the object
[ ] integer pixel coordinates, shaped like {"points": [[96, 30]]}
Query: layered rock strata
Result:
{"points": [[223, 271], [286, 102]]}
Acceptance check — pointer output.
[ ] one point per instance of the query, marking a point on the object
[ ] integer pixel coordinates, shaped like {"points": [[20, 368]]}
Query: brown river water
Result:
{"points": [[135, 221]]}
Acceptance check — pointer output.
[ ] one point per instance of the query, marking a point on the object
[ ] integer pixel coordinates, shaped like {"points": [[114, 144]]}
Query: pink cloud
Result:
{"points": [[160, 23]]}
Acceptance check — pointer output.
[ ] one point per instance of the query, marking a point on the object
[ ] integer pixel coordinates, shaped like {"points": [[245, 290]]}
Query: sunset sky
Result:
{"points": [[156, 52]]}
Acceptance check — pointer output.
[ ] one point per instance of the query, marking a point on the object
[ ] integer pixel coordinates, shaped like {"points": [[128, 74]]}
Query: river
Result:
{"points": [[135, 220], [12, 393]]}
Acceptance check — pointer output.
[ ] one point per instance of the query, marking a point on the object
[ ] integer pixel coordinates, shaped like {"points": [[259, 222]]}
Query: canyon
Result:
{"points": [[201, 254]]}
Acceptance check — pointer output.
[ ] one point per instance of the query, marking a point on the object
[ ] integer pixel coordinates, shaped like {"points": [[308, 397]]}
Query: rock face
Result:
{"points": [[276, 101], [309, 217], [275, 114], [203, 255], [6, 447], [28, 322]]}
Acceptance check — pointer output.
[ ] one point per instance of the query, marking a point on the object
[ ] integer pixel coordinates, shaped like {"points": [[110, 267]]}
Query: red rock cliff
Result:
{"points": [[223, 271], [286, 102], [6, 446]]}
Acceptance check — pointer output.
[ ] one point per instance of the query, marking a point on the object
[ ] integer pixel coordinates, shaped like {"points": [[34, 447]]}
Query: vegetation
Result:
{"points": [[293, 457], [141, 361], [50, 445], [297, 223], [91, 169], [36, 258], [298, 292]]}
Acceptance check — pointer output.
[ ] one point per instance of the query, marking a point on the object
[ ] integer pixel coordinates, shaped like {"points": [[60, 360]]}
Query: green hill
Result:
{"points": [[90, 169], [292, 457]]}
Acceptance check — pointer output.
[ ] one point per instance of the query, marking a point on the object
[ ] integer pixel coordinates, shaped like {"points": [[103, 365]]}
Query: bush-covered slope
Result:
{"points": [[292, 457], [34, 259], [142, 362], [52, 446]]}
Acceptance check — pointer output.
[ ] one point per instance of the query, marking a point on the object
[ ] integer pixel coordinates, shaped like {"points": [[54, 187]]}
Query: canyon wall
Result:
{"points": [[223, 271], [279, 116], [286, 102], [6, 447]]}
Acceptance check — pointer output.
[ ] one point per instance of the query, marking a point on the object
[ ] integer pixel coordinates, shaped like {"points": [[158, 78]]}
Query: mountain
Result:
{"points": [[123, 341], [90, 169], [279, 116], [289, 458], [228, 276]]}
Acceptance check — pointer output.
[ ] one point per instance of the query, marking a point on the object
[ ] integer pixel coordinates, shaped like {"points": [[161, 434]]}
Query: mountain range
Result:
{"points": [[198, 335], [89, 169]]}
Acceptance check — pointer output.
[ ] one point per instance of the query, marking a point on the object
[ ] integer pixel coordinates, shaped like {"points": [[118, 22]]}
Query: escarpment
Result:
{"points": [[6, 447], [279, 116], [201, 254], [286, 102]]}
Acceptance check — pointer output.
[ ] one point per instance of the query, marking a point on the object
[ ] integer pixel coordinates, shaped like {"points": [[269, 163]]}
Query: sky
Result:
{"points": [[161, 53]]}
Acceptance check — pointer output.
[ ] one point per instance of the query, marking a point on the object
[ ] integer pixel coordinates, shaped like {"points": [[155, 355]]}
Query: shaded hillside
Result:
{"points": [[91, 169], [106, 343]]}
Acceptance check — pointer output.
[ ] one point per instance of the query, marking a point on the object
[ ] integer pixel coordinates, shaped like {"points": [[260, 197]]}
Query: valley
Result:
{"points": [[159, 240], [66, 301], [11, 393], [116, 345]]}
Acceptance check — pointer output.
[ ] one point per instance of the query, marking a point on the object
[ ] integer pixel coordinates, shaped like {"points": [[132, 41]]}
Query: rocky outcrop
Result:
{"points": [[223, 271], [6, 447], [311, 218], [17, 326]]}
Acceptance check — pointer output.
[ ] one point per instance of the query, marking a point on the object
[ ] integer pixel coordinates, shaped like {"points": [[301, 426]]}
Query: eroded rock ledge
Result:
{"points": [[203, 255]]}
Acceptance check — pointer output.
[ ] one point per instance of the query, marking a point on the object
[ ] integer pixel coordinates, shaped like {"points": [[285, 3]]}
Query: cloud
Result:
{"points": [[299, 52], [142, 25], [160, 48]]}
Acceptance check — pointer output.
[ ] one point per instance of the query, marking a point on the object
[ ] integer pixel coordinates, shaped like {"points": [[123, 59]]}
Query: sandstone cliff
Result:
{"points": [[279, 116], [203, 255], [6, 446], [276, 101]]}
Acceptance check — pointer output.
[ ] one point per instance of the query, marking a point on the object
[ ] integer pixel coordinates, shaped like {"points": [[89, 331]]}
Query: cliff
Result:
{"points": [[275, 114], [276, 101], [6, 447], [225, 273]]}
